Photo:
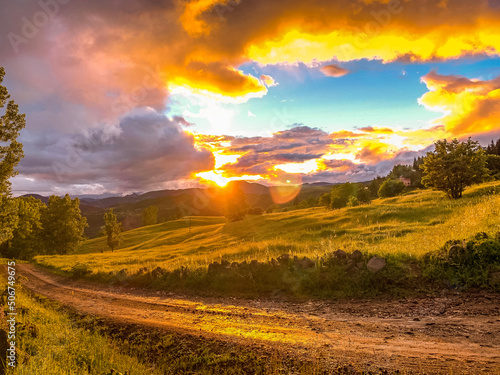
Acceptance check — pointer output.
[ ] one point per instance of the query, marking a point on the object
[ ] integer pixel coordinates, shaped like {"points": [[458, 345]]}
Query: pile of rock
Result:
{"points": [[353, 262]]}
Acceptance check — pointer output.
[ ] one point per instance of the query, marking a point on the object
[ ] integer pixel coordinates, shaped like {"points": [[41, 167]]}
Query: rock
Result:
{"points": [[224, 263], [254, 263], [274, 263], [350, 265], [340, 255], [305, 263], [360, 265], [235, 265], [375, 264], [357, 256], [284, 259]]}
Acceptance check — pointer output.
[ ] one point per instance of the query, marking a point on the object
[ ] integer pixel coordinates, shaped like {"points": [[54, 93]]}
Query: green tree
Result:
{"points": [[113, 229], [364, 196], [325, 200], [11, 152], [453, 166], [401, 170], [150, 216], [374, 186], [493, 165], [63, 225], [341, 194], [352, 201], [236, 202], [25, 241], [391, 188]]}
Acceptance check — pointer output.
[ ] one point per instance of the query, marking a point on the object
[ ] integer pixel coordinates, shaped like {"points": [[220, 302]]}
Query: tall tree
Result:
{"points": [[11, 152], [453, 166], [113, 229], [63, 225], [150, 216], [11, 123], [25, 241]]}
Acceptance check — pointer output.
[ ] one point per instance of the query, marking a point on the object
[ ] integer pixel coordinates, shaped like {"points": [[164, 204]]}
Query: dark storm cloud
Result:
{"points": [[146, 149]]}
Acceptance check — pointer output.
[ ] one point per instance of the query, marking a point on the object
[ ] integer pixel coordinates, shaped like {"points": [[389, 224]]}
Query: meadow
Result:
{"points": [[402, 229]]}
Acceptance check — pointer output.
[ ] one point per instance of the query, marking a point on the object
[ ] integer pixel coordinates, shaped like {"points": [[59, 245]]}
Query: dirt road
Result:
{"points": [[449, 334]]}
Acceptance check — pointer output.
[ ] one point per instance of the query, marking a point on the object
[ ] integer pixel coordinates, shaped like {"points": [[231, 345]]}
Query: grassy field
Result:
{"points": [[413, 224]]}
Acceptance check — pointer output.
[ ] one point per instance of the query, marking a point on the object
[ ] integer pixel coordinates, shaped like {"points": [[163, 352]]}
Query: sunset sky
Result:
{"points": [[133, 96]]}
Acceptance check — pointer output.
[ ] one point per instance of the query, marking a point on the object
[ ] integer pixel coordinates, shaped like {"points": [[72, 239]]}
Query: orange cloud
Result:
{"points": [[268, 80], [334, 71], [371, 129], [470, 106], [199, 44]]}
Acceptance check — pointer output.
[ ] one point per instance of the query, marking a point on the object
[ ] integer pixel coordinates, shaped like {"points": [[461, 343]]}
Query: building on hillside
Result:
{"points": [[405, 180]]}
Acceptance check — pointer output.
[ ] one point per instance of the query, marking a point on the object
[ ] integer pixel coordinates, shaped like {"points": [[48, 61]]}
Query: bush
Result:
{"points": [[391, 188], [352, 202], [256, 211], [466, 264], [80, 270]]}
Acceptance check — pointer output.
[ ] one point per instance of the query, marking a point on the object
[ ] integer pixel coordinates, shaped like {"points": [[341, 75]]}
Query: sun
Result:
{"points": [[214, 177]]}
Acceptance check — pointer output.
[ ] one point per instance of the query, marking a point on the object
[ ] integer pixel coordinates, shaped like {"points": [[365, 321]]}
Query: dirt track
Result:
{"points": [[449, 334]]}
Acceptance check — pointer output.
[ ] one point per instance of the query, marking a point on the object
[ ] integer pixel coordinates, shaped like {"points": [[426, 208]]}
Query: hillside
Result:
{"points": [[173, 204], [405, 227]]}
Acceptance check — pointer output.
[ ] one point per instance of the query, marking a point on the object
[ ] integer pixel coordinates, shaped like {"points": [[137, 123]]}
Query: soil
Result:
{"points": [[453, 333]]}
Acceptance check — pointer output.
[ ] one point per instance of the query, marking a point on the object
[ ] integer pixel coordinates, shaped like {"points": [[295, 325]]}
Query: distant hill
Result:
{"points": [[174, 204]]}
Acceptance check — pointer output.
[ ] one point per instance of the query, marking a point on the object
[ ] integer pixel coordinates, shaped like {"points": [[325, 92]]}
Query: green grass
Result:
{"points": [[412, 224]]}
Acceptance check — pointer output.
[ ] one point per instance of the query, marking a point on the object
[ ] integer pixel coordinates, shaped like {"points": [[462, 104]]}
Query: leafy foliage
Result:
{"points": [[63, 225], [466, 264], [25, 241], [453, 166], [11, 123], [150, 216], [391, 188], [493, 164], [11, 152], [113, 229], [348, 194]]}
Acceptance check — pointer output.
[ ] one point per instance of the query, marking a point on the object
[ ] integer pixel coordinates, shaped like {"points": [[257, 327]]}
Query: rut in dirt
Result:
{"points": [[457, 333]]}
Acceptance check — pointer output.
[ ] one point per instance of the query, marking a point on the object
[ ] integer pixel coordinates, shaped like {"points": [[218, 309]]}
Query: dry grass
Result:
{"points": [[412, 224]]}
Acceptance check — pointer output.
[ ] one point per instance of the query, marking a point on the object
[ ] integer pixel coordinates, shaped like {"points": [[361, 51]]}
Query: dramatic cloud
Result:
{"points": [[312, 154], [471, 106], [77, 67], [334, 71], [145, 151]]}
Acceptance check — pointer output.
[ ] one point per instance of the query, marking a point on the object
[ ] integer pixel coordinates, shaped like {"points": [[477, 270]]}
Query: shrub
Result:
{"points": [[353, 201], [80, 270], [391, 188], [464, 264]]}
